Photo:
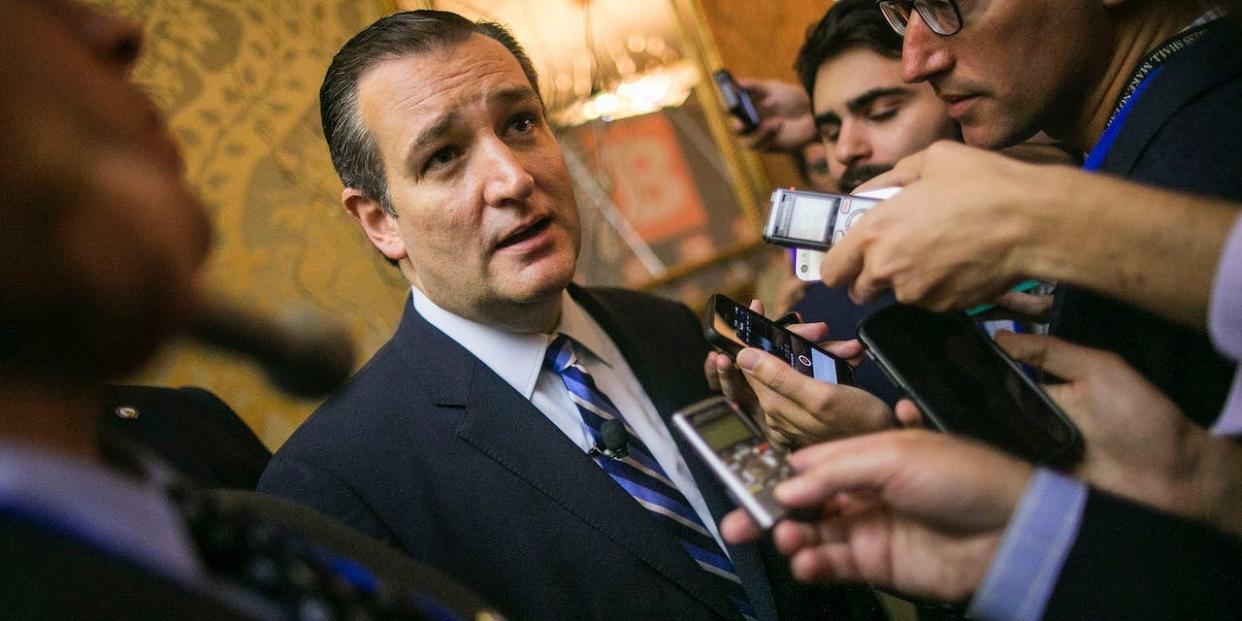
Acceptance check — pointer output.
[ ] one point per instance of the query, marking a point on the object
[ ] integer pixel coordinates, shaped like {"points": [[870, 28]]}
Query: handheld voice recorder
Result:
{"points": [[735, 449]]}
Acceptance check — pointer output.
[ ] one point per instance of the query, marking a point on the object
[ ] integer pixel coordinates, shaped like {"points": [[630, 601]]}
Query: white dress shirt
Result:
{"points": [[518, 360]]}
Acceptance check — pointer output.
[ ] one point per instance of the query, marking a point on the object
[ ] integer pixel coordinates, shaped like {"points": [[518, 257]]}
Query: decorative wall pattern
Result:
{"points": [[238, 83]]}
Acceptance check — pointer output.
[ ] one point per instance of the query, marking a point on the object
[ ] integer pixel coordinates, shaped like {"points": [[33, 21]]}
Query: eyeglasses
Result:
{"points": [[942, 16]]}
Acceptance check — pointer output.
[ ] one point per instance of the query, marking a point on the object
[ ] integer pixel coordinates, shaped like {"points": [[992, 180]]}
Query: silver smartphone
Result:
{"points": [[814, 220], [735, 449]]}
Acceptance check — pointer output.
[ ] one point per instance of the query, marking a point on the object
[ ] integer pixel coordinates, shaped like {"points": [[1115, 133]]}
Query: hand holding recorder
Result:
{"points": [[737, 331], [914, 511]]}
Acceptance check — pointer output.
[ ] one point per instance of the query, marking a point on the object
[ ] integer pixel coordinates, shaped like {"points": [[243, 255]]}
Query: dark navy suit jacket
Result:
{"points": [[1185, 134], [431, 451], [1130, 562]]}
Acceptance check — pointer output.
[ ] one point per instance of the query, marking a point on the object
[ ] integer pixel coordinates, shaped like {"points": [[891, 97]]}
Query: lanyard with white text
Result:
{"points": [[1143, 75]]}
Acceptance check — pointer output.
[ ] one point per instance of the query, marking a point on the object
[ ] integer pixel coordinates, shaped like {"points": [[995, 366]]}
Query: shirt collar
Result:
{"points": [[518, 358], [122, 515]]}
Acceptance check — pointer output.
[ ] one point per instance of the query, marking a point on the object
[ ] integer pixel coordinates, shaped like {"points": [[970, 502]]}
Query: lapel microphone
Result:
{"points": [[614, 442]]}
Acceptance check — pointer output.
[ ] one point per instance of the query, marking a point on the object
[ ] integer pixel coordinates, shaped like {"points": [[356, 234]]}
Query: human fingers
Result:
{"points": [[843, 262], [1065, 360], [827, 563], [851, 350], [791, 536], [733, 385], [738, 527], [869, 284], [909, 414], [783, 414], [709, 371], [761, 138], [778, 438], [1029, 305], [851, 464], [775, 374], [756, 305], [814, 332]]}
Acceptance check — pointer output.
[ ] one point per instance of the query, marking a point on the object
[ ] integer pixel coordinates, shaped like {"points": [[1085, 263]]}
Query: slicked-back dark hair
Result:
{"points": [[847, 25], [354, 152]]}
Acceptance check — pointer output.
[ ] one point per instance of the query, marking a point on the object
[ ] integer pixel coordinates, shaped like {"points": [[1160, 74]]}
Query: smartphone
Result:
{"points": [[966, 385], [813, 220], [731, 327], [736, 451], [737, 100]]}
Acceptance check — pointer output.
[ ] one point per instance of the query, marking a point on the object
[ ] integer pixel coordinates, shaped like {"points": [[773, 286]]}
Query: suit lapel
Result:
{"points": [[504, 426], [669, 394], [1185, 77]]}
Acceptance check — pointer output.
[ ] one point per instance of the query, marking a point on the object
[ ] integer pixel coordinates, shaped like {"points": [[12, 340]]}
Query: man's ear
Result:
{"points": [[379, 225]]}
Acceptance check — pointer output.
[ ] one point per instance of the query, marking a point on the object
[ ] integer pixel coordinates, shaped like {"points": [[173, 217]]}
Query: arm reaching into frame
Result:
{"points": [[950, 240]]}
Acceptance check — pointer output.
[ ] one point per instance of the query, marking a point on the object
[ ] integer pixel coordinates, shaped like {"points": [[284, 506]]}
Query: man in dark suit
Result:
{"points": [[470, 439]]}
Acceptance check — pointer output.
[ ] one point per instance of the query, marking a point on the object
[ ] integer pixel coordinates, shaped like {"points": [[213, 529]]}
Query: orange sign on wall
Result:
{"points": [[651, 180]]}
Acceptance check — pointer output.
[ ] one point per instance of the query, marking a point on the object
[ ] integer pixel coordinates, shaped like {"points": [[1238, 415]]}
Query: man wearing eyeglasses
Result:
{"points": [[1151, 90]]}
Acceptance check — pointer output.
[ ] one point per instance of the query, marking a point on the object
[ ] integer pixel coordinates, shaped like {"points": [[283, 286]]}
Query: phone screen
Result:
{"points": [[736, 99], [747, 328], [965, 383]]}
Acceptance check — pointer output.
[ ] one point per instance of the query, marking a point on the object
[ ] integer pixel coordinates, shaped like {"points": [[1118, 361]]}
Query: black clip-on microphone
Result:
{"points": [[615, 441]]}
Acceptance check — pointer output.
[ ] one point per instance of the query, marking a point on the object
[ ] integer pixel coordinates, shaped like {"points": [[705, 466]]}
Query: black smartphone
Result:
{"points": [[966, 384], [737, 100], [812, 220], [731, 327]]}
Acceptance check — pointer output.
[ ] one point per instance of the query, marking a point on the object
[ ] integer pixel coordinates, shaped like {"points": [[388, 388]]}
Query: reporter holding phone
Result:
{"points": [[794, 409], [943, 518]]}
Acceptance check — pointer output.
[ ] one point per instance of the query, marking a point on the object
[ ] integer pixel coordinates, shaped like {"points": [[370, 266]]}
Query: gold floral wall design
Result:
{"points": [[238, 82]]}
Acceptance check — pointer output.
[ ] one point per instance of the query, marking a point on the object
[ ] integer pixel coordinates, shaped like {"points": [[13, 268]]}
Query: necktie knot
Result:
{"points": [[560, 354]]}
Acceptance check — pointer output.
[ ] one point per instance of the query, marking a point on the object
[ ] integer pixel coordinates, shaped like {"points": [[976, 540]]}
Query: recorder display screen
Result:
{"points": [[807, 217], [725, 431]]}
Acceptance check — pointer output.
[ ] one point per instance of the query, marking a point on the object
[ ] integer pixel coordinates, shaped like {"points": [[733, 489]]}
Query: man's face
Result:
{"points": [[869, 119], [1016, 67], [485, 209], [818, 173], [101, 235]]}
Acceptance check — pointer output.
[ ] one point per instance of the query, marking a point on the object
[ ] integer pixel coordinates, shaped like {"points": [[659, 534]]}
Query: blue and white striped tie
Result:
{"points": [[642, 477]]}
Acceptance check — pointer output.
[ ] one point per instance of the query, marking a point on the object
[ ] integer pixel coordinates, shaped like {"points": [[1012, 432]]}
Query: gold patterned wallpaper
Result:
{"points": [[238, 81]]}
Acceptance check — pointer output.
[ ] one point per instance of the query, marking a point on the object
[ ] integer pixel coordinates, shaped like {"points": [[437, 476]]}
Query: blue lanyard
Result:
{"points": [[1095, 159]]}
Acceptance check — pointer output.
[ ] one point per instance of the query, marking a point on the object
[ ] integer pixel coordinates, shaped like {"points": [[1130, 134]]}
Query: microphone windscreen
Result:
{"points": [[614, 435], [303, 352]]}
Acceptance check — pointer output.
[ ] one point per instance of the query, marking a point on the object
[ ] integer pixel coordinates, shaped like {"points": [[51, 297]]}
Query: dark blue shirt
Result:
{"points": [[833, 306]]}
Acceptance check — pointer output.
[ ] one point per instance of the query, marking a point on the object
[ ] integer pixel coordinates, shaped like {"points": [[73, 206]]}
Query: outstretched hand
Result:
{"points": [[785, 116], [915, 511], [945, 241]]}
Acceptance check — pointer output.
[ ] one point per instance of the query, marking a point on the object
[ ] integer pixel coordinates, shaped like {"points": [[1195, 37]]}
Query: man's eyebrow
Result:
{"points": [[512, 95], [430, 134], [445, 122], [866, 99]]}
